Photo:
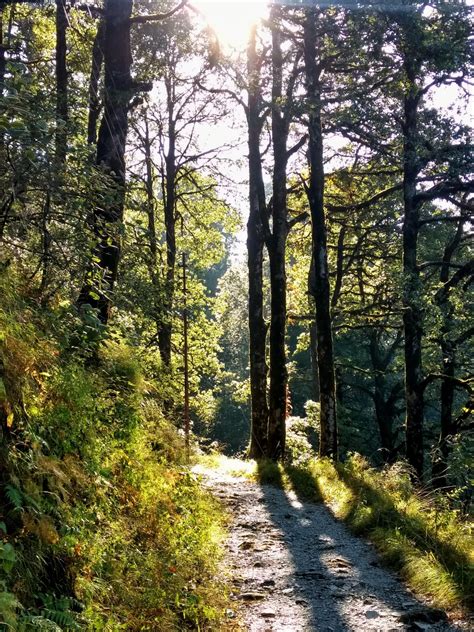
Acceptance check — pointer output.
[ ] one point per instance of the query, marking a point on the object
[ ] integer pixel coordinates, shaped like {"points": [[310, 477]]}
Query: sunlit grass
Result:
{"points": [[229, 466], [430, 547]]}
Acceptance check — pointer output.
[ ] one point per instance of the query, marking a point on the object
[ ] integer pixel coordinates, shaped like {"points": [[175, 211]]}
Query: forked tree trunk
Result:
{"points": [[107, 218], [319, 273], [255, 246]]}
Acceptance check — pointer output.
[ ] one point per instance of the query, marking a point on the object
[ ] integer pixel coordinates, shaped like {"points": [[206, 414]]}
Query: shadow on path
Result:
{"points": [[336, 577]]}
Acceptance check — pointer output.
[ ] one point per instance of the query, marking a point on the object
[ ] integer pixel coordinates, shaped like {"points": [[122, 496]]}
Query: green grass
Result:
{"points": [[430, 546], [103, 527]]}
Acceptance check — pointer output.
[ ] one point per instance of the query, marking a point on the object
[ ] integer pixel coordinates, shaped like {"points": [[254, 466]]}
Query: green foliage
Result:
{"points": [[9, 606], [300, 438], [103, 525]]}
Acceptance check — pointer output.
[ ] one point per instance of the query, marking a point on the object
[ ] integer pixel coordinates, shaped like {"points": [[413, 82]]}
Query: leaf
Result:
{"points": [[14, 495], [7, 552], [7, 557]]}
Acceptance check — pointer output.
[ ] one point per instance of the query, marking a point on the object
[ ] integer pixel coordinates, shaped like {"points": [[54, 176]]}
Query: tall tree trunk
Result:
{"points": [[385, 402], [448, 427], [276, 251], [61, 82], [313, 346], [94, 100], [255, 245], [166, 329], [46, 247], [319, 273], [186, 418], [3, 67], [5, 42], [412, 314], [98, 286], [448, 366], [152, 259], [2, 55]]}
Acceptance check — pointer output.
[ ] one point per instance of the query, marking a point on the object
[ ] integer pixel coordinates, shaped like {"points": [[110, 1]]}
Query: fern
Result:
{"points": [[62, 618], [14, 496], [7, 557], [40, 624], [58, 611]]}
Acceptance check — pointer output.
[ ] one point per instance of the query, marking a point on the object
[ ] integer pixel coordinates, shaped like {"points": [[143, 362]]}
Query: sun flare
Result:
{"points": [[231, 20]]}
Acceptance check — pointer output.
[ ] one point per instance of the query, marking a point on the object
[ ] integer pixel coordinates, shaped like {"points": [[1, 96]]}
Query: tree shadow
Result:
{"points": [[452, 560], [308, 569], [334, 572]]}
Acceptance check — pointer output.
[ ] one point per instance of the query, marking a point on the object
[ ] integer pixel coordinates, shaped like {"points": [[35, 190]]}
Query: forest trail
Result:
{"points": [[295, 568]]}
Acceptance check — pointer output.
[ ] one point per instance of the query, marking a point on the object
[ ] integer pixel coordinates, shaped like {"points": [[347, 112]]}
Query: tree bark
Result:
{"points": [[3, 60], [385, 406], [107, 221], [166, 328], [94, 100], [412, 314], [276, 251], [319, 273], [152, 259], [313, 345], [255, 246], [448, 366], [61, 82]]}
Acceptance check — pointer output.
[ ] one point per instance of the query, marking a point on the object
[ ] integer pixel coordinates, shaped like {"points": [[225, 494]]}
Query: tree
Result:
{"points": [[107, 217], [282, 113], [451, 337], [255, 250], [119, 89], [61, 81], [425, 44], [319, 272]]}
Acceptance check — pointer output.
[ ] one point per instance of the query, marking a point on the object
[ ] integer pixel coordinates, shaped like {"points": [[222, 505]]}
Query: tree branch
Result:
{"points": [[296, 147], [302, 217], [361, 205], [156, 17], [465, 384], [465, 271]]}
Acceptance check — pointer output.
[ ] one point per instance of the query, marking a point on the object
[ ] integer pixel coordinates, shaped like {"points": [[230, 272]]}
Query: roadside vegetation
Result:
{"points": [[103, 526]]}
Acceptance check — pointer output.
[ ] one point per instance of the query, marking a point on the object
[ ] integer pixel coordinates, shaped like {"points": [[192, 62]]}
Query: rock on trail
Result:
{"points": [[295, 568]]}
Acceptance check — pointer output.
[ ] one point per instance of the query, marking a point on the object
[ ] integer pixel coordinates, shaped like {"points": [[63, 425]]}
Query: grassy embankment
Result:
{"points": [[102, 526]]}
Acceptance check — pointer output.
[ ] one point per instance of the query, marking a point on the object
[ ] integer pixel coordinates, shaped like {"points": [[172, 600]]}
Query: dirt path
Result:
{"points": [[297, 569]]}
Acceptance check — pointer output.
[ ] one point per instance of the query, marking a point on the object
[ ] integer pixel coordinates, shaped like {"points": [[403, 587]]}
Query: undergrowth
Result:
{"points": [[415, 532], [102, 525]]}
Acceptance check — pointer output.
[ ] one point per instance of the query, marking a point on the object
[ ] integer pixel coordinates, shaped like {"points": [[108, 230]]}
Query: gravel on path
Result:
{"points": [[295, 568]]}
